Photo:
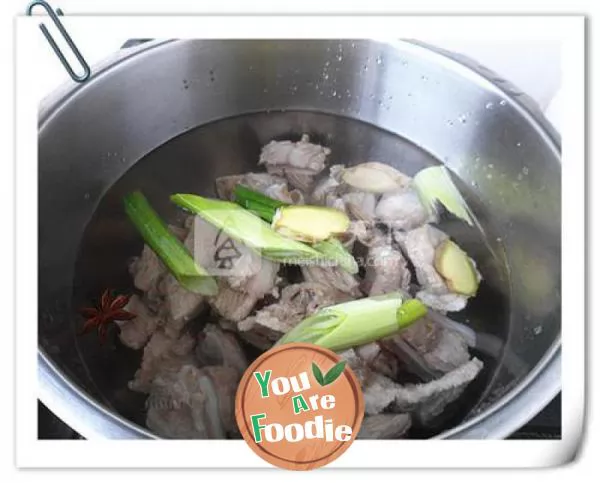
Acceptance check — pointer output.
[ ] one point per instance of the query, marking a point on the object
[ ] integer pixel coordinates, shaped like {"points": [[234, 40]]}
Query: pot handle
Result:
{"points": [[134, 43], [54, 16]]}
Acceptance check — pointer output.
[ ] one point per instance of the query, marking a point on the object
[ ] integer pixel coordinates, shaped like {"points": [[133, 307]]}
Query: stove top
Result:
{"points": [[546, 425]]}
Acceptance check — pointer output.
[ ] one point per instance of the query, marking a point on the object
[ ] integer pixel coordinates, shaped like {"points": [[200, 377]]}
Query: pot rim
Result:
{"points": [[513, 410]]}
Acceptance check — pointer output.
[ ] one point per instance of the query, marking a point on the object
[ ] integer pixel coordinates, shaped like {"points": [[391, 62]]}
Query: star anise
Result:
{"points": [[110, 309]]}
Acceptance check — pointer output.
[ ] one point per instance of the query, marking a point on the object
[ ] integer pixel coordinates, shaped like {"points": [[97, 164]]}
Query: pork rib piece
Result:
{"points": [[437, 348], [193, 403], [136, 332], [297, 301], [403, 210], [423, 401], [162, 354], [334, 277], [147, 270], [427, 401], [179, 305], [386, 271], [299, 162], [219, 348]]}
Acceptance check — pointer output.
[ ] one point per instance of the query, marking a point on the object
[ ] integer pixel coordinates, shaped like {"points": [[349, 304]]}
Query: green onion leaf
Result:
{"points": [[434, 185], [167, 246], [334, 249], [410, 311], [265, 212], [248, 228], [244, 195], [357, 322]]}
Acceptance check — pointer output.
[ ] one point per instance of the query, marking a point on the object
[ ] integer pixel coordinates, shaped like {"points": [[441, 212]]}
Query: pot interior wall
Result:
{"points": [[401, 104]]}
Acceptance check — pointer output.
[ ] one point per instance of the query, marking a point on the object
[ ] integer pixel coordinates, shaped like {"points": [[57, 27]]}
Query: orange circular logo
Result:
{"points": [[299, 406]]}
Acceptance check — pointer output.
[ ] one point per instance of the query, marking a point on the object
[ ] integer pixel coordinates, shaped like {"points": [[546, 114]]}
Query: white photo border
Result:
{"points": [[30, 46]]}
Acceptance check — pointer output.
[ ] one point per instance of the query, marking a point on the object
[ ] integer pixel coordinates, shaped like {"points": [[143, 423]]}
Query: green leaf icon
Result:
{"points": [[334, 373], [316, 370]]}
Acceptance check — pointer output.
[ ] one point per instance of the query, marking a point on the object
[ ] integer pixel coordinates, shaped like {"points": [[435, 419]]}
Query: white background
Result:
{"points": [[7, 198]]}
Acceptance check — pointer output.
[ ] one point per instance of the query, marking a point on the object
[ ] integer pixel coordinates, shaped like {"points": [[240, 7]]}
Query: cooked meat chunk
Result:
{"points": [[360, 205], [219, 348], [260, 283], [424, 401], [369, 358], [368, 233], [193, 403], [386, 271], [136, 332], [384, 426], [336, 202], [427, 401], [297, 302], [375, 371], [378, 359], [420, 244], [327, 187], [302, 155], [428, 349], [410, 360], [361, 370], [180, 305], [379, 393], [299, 179], [180, 232], [147, 270], [334, 277], [231, 304], [403, 210], [298, 162], [450, 352], [162, 354]]}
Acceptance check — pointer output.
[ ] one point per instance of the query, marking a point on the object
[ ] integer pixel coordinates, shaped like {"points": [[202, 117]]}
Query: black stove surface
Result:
{"points": [[546, 425]]}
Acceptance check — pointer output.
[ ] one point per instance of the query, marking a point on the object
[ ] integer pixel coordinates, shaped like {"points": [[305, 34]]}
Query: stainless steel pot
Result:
{"points": [[420, 105]]}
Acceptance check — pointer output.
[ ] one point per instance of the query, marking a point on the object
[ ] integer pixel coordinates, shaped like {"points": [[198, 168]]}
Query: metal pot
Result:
{"points": [[402, 103]]}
